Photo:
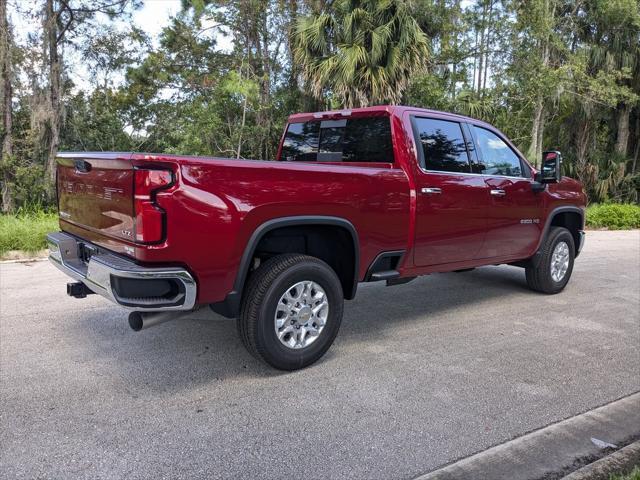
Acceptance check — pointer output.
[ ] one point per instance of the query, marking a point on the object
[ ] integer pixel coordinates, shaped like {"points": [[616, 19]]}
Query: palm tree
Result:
{"points": [[615, 48], [362, 51]]}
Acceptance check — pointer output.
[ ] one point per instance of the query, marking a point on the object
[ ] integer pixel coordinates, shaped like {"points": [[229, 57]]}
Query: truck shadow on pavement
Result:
{"points": [[378, 308], [204, 348]]}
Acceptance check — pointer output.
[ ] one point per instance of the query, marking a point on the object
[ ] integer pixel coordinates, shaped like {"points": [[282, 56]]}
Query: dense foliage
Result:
{"points": [[552, 74], [613, 216]]}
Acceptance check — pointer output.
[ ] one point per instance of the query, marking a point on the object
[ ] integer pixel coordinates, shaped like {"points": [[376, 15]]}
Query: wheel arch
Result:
{"points": [[230, 306], [571, 218]]}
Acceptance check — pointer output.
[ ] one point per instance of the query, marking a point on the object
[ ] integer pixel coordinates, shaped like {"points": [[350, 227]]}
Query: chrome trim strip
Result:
{"points": [[96, 274], [471, 173]]}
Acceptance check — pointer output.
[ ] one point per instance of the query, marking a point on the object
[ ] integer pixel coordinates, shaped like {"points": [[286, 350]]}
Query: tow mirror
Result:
{"points": [[550, 171]]}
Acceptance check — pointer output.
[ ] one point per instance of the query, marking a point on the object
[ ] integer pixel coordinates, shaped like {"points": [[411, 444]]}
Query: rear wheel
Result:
{"points": [[291, 311], [556, 264]]}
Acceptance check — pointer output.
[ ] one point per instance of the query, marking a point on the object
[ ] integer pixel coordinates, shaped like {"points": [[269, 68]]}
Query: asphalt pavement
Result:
{"points": [[420, 375]]}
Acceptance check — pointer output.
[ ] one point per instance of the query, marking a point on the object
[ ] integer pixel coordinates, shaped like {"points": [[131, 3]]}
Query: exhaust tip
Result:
{"points": [[135, 321], [143, 320]]}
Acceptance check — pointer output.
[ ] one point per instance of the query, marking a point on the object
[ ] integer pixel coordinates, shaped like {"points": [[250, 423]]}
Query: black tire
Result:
{"points": [[539, 278], [257, 313]]}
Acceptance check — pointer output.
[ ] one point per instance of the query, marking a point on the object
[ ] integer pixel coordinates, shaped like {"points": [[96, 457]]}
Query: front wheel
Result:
{"points": [[291, 311], [556, 264]]}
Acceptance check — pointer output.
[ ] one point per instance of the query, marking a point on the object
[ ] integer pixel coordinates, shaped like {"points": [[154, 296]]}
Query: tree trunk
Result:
{"points": [[5, 82], [637, 149], [256, 26], [452, 41], [317, 6], [266, 87], [540, 142], [51, 30], [244, 121], [622, 139], [475, 61], [487, 46], [586, 173], [6, 109], [481, 53], [293, 19], [537, 129]]}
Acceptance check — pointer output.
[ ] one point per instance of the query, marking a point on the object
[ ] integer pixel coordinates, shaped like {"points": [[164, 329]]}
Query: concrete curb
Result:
{"points": [[621, 461], [19, 256], [25, 260], [552, 451]]}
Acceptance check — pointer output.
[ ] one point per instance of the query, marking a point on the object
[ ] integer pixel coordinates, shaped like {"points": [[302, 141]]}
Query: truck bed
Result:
{"points": [[216, 204]]}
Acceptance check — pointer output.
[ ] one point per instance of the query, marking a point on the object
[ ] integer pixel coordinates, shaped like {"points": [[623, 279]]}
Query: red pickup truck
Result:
{"points": [[372, 194]]}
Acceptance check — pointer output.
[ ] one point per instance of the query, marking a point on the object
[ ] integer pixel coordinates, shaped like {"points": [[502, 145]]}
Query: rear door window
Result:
{"points": [[442, 145], [365, 140]]}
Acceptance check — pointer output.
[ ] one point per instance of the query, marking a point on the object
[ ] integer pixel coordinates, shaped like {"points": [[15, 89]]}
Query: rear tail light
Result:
{"points": [[149, 217]]}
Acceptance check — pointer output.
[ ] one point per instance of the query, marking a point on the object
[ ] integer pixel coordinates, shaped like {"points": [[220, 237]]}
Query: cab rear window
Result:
{"points": [[344, 140]]}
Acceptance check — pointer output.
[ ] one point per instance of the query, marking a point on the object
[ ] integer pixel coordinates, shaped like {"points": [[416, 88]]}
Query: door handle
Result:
{"points": [[498, 192], [431, 190]]}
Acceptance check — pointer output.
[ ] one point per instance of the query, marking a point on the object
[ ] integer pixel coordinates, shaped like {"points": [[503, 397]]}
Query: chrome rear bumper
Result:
{"points": [[109, 275]]}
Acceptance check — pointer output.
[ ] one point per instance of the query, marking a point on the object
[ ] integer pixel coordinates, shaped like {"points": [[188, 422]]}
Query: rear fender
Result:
{"points": [[230, 306]]}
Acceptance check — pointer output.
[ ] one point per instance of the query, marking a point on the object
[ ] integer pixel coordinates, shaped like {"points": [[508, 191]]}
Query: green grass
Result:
{"points": [[634, 475], [26, 231], [614, 216]]}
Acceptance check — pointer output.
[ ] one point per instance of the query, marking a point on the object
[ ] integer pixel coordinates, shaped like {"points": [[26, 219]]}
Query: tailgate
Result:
{"points": [[95, 191]]}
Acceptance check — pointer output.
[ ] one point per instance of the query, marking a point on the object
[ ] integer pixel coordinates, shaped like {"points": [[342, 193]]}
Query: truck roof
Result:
{"points": [[367, 111]]}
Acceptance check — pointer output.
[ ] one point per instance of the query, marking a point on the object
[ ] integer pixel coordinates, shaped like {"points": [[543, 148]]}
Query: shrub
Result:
{"points": [[26, 231], [614, 216], [633, 475]]}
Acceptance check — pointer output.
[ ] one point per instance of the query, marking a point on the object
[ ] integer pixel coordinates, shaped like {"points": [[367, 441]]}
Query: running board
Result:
{"points": [[399, 281]]}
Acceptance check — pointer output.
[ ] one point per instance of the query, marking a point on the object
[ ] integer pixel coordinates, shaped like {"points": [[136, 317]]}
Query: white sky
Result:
{"points": [[152, 17], [155, 14]]}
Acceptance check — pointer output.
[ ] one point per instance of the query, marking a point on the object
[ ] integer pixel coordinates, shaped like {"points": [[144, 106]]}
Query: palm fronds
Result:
{"points": [[363, 53]]}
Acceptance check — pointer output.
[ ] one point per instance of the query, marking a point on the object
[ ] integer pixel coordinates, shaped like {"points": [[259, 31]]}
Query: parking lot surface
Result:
{"points": [[420, 375]]}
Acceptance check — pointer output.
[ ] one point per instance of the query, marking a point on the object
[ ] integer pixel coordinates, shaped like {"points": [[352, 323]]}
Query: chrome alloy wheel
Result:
{"points": [[559, 261], [301, 314]]}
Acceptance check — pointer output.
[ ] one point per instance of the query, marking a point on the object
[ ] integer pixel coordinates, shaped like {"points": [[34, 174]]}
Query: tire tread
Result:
{"points": [[538, 278], [255, 294]]}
